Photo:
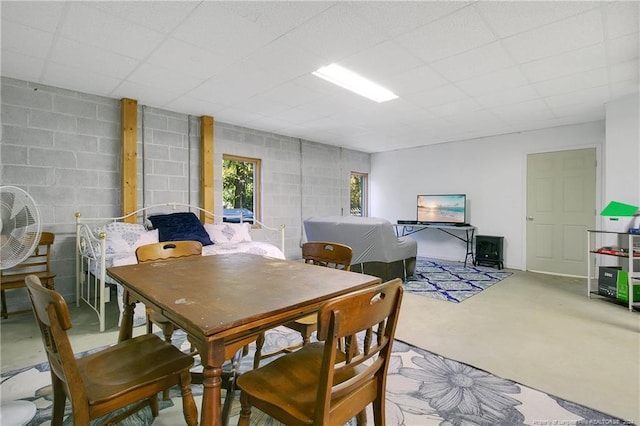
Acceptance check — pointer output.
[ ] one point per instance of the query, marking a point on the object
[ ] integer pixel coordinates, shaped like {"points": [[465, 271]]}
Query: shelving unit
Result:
{"points": [[634, 273]]}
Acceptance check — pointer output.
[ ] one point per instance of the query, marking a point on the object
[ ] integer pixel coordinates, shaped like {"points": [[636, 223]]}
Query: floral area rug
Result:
{"points": [[451, 281], [423, 389]]}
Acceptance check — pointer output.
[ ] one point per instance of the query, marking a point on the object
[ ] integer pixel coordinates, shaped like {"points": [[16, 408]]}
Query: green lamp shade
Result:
{"points": [[615, 208]]}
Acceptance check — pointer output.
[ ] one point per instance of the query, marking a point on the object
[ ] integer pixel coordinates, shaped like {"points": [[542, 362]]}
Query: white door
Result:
{"points": [[561, 201]]}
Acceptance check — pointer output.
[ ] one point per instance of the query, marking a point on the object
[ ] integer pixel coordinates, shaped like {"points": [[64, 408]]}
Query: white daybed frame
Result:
{"points": [[91, 274]]}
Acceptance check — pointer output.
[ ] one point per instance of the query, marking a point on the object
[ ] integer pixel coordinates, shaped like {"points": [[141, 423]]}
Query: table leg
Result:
{"points": [[126, 326], [212, 384]]}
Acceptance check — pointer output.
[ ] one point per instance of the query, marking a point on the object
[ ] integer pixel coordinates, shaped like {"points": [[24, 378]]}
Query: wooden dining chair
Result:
{"points": [[168, 250], [128, 375], [38, 263], [321, 253], [326, 383]]}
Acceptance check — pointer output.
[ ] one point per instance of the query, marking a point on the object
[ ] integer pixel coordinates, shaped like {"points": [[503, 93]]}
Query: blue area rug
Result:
{"points": [[451, 281], [423, 389]]}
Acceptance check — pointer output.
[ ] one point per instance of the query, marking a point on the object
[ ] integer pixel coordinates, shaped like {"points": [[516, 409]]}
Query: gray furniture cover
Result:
{"points": [[376, 248]]}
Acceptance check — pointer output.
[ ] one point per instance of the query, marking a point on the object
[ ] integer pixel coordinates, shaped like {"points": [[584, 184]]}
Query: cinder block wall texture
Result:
{"points": [[63, 148]]}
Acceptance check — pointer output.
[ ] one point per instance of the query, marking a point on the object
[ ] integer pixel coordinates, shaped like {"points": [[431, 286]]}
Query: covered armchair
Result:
{"points": [[377, 250]]}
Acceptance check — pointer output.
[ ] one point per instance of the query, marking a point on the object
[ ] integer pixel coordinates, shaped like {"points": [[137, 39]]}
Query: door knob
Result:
{"points": [[530, 218]]}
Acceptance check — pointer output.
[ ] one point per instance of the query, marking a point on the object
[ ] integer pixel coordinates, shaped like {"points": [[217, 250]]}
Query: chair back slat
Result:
{"points": [[324, 253], [168, 250]]}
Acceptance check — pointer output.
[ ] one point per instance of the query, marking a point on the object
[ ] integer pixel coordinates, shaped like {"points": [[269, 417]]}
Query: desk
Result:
{"points": [[403, 229], [222, 302]]}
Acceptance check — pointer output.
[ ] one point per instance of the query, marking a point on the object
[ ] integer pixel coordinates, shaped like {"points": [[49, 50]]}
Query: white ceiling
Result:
{"points": [[461, 69]]}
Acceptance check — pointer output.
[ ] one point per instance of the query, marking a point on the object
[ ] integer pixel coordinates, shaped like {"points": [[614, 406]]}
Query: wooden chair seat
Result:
{"points": [[38, 263], [333, 380], [321, 253], [128, 375], [108, 372]]}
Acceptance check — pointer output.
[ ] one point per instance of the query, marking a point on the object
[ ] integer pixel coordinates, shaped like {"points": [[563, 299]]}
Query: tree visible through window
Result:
{"points": [[358, 194], [240, 188]]}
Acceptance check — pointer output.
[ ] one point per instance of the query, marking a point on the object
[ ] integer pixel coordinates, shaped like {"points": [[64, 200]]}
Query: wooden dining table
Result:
{"points": [[224, 301]]}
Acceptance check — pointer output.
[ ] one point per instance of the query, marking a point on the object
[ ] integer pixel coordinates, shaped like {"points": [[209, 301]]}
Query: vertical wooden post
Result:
{"points": [[129, 138], [206, 166]]}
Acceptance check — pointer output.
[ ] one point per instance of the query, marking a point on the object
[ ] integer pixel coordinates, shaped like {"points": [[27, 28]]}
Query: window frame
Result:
{"points": [[257, 193], [364, 192]]}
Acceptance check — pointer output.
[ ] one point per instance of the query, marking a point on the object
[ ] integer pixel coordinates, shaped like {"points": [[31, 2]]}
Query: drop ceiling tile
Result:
{"points": [[394, 18], [471, 120], [221, 31], [532, 110], [292, 94], [622, 18], [515, 95], [577, 109], [20, 38], [235, 84], [334, 34], [436, 96], [66, 77], [571, 83], [496, 81], [145, 94], [463, 106], [278, 17], [163, 78], [188, 59], [623, 49], [286, 59], [236, 116], [624, 88], [42, 15], [560, 37], [476, 62], [384, 59], [22, 67], [263, 105], [594, 96], [161, 16], [91, 26], [99, 61], [414, 80], [581, 60], [509, 18], [624, 71], [451, 35]]}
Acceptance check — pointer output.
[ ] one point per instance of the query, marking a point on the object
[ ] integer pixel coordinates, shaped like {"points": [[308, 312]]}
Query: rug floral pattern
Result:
{"points": [[451, 281], [423, 388]]}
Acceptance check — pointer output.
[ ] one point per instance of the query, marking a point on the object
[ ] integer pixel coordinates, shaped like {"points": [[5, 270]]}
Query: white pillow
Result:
{"points": [[228, 232], [126, 237]]}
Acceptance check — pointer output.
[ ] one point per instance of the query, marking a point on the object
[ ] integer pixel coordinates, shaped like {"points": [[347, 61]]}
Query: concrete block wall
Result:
{"points": [[63, 147]]}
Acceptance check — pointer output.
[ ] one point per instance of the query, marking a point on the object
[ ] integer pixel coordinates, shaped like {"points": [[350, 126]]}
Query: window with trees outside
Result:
{"points": [[240, 188], [358, 194]]}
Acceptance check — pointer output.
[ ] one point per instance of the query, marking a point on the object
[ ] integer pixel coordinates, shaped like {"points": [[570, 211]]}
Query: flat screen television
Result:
{"points": [[442, 209]]}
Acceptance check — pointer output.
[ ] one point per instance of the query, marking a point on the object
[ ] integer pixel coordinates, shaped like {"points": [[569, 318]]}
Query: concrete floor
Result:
{"points": [[539, 330]]}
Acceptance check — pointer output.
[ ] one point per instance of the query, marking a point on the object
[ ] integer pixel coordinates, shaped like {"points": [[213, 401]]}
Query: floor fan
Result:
{"points": [[19, 236]]}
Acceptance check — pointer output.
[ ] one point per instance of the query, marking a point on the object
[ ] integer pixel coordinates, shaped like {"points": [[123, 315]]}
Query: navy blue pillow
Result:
{"points": [[180, 226]]}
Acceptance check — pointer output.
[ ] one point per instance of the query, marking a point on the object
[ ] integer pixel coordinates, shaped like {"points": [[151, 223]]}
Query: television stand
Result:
{"points": [[403, 229]]}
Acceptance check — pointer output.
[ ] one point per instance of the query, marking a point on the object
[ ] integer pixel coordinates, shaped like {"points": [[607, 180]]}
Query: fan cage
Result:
{"points": [[20, 232]]}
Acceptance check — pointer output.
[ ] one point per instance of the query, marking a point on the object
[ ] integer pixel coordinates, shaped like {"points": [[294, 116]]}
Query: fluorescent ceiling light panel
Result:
{"points": [[354, 82]]}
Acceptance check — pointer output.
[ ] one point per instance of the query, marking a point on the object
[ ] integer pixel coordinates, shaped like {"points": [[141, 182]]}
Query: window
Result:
{"points": [[358, 194], [240, 188]]}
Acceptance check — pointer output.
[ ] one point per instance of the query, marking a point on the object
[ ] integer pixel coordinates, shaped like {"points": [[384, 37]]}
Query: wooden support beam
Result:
{"points": [[206, 166], [129, 138]]}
